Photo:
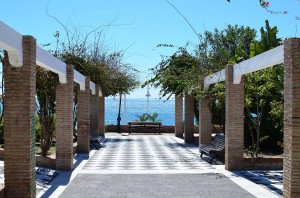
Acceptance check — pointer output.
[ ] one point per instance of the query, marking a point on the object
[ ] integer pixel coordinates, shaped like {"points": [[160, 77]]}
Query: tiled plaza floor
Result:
{"points": [[147, 160], [145, 154], [131, 165]]}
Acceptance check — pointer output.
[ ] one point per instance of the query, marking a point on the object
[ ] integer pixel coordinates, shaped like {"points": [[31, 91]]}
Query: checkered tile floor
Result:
{"points": [[145, 153], [272, 180]]}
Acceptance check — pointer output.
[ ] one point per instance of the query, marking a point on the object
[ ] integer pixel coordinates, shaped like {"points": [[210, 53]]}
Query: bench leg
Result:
{"points": [[213, 157], [201, 154]]}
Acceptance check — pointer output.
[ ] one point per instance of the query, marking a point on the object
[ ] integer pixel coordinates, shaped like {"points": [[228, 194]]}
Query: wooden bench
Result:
{"points": [[95, 142], [217, 146], [144, 125]]}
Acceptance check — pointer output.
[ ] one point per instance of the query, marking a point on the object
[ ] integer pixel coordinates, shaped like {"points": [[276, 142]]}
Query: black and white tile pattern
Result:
{"points": [[145, 153], [269, 179]]}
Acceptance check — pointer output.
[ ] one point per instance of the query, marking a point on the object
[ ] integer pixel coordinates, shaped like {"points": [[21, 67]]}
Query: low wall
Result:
{"points": [[265, 163], [47, 162], [125, 129]]}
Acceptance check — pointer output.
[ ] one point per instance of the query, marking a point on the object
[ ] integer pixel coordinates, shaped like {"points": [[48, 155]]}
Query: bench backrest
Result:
{"points": [[144, 123], [219, 141]]}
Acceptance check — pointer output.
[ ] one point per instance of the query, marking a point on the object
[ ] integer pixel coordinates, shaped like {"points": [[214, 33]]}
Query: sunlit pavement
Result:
{"points": [[155, 166]]}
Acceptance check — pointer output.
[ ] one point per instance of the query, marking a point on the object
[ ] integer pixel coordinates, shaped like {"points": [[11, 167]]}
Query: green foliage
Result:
{"points": [[91, 58], [217, 49], [143, 117], [46, 83], [251, 150], [38, 129], [176, 75], [153, 117], [264, 96], [216, 95], [148, 117], [220, 47], [268, 40], [183, 71]]}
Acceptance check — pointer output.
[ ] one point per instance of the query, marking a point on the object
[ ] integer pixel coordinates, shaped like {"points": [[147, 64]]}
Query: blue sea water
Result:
{"points": [[138, 106]]}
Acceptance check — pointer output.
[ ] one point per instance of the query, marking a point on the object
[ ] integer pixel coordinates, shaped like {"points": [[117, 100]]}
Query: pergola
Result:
{"points": [[233, 75], [20, 111]]}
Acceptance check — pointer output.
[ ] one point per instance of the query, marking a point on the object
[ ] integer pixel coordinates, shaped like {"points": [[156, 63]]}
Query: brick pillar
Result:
{"points": [[189, 119], [234, 121], [83, 117], [178, 116], [291, 161], [205, 119], [19, 116], [94, 113], [64, 122], [102, 116]]}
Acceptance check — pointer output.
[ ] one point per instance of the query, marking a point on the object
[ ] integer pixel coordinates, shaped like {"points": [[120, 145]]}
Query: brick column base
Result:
{"points": [[189, 119], [64, 122], [234, 118], [291, 165], [102, 116], [83, 117], [19, 116], [178, 116]]}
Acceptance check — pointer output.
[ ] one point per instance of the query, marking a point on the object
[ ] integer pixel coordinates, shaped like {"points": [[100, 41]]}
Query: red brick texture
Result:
{"points": [[64, 122], [234, 121], [178, 116], [19, 116], [83, 118], [205, 119], [291, 162], [94, 113], [189, 119], [102, 116]]}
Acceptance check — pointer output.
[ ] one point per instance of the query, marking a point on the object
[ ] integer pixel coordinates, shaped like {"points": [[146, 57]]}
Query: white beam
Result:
{"points": [[12, 42], [80, 79], [214, 78], [259, 62], [100, 92], [49, 62]]}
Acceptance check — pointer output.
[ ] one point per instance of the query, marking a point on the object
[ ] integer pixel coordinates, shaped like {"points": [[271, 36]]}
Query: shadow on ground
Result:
{"points": [[64, 177]]}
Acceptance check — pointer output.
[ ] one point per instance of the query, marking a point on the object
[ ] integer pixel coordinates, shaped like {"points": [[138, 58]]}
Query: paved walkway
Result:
{"points": [[152, 166], [144, 154]]}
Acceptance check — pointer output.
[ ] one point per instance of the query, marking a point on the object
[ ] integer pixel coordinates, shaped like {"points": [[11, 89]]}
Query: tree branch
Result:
{"points": [[184, 19]]}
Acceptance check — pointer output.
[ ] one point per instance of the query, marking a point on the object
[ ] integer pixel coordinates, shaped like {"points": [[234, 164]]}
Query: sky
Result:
{"points": [[140, 25]]}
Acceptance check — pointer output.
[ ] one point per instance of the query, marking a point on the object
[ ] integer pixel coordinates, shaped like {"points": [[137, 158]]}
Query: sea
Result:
{"points": [[133, 107]]}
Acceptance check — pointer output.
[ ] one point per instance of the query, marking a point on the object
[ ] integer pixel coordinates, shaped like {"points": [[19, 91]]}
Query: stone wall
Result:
{"points": [[164, 129], [266, 163]]}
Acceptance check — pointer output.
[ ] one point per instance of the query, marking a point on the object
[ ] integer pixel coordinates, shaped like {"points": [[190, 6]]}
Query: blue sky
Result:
{"points": [[143, 24]]}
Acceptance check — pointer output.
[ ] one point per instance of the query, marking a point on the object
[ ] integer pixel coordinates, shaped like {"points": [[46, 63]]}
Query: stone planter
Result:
{"points": [[263, 163]]}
